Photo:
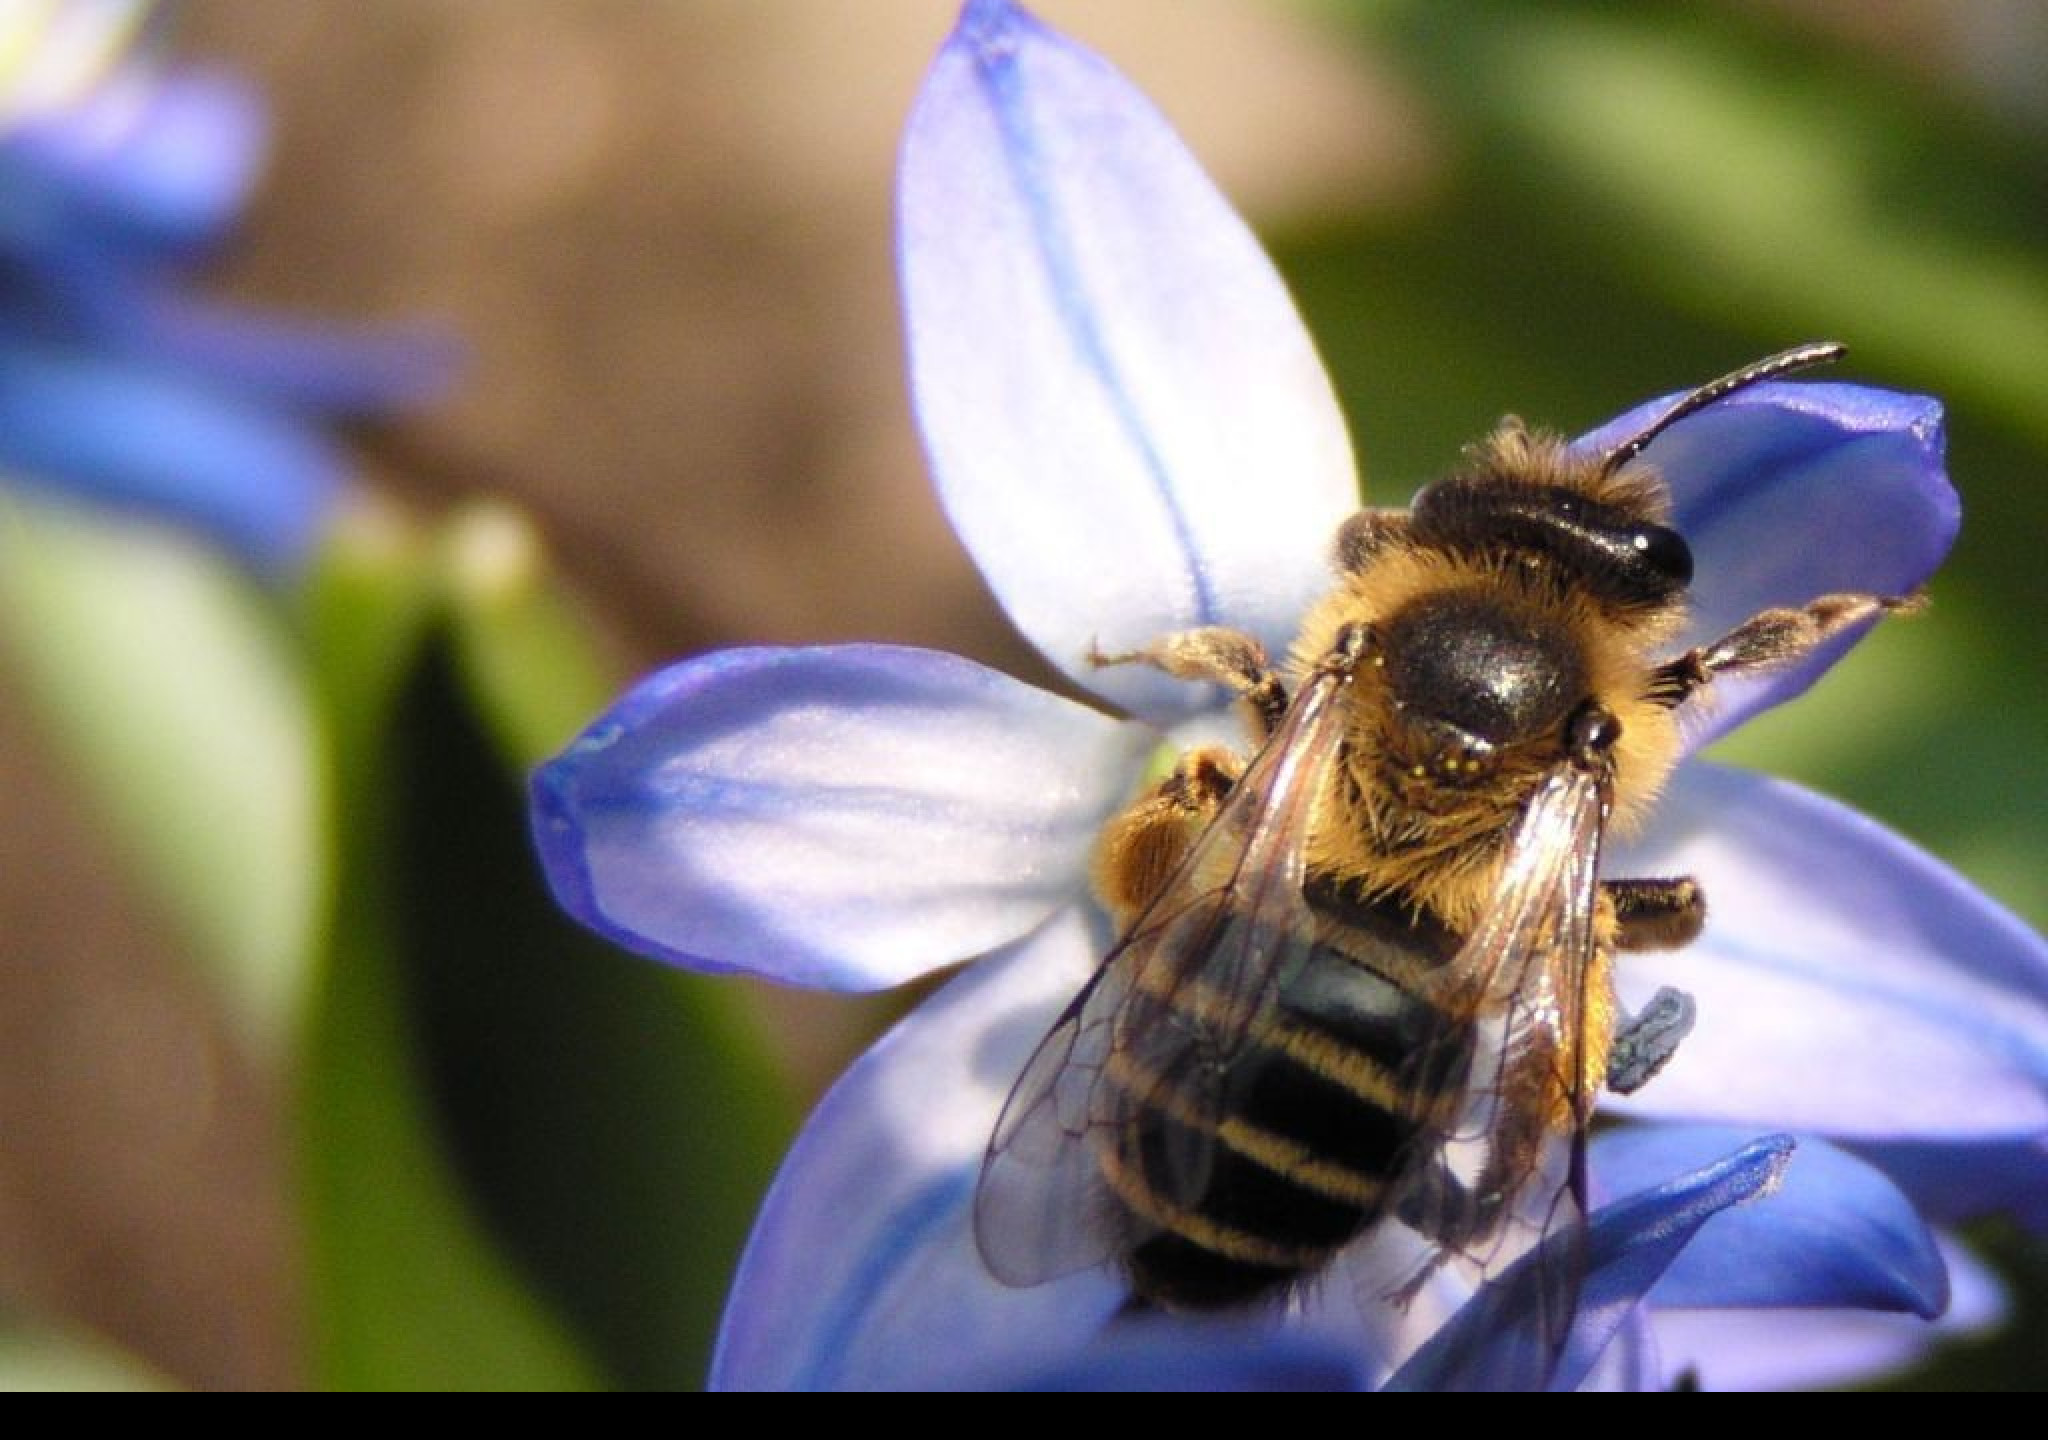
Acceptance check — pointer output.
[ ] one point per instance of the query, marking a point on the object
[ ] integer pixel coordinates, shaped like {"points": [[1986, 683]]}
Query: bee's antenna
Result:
{"points": [[1786, 362]]}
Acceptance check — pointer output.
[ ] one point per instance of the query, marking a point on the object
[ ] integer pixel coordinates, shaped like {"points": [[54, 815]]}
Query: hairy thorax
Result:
{"points": [[1456, 717]]}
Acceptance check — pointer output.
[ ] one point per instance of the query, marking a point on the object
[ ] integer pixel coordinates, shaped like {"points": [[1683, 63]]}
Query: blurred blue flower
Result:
{"points": [[1132, 434], [118, 175]]}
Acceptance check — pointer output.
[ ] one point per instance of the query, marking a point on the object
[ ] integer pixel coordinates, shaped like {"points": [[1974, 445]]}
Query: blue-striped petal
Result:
{"points": [[1494, 1342], [1834, 1232], [1847, 983], [1789, 491], [1127, 422], [862, 1271], [1958, 1180], [850, 817], [1161, 1354], [1797, 1349]]}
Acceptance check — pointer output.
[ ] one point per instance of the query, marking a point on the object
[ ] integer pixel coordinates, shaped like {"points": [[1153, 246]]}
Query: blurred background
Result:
{"points": [[301, 1080]]}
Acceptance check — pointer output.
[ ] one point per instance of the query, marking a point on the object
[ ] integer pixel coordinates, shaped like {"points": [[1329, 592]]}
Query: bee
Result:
{"points": [[1364, 981]]}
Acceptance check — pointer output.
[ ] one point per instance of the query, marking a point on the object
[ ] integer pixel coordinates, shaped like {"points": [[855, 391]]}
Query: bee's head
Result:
{"points": [[1598, 523]]}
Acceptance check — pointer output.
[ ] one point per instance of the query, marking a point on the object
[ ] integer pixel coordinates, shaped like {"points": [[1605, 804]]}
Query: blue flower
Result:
{"points": [[117, 176], [1132, 434]]}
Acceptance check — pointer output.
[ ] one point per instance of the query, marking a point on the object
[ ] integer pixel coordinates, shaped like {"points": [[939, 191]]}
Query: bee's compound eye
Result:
{"points": [[1591, 732], [1664, 552]]}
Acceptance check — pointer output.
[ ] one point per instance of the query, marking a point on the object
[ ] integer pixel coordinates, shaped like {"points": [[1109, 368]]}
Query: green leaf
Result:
{"points": [[582, 1137], [523, 648], [408, 1290], [40, 1359], [1718, 163], [614, 1119], [168, 682], [617, 1117]]}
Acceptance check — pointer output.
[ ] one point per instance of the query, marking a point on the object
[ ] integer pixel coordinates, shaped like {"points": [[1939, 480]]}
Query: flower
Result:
{"points": [[1132, 434], [116, 176]]}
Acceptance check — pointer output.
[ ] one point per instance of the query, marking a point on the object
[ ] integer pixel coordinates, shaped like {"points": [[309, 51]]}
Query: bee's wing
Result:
{"points": [[1524, 973], [1159, 1021]]}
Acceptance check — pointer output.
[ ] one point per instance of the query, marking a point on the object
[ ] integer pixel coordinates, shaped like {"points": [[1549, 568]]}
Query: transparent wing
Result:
{"points": [[1159, 1022], [1516, 1158]]}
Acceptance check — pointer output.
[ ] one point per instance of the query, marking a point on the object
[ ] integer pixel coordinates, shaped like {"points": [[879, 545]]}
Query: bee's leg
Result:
{"points": [[1140, 849], [1455, 1214], [1645, 1044], [1217, 654], [1656, 914], [1454, 1211], [1365, 536], [1769, 638], [1651, 915], [1445, 1210], [1460, 1214]]}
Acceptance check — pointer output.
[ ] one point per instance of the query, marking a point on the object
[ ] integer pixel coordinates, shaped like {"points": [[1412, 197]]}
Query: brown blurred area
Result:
{"points": [[662, 228]]}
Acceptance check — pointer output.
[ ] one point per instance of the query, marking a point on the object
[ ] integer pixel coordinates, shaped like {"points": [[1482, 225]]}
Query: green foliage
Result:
{"points": [[1643, 195], [530, 1160], [168, 685], [37, 1359], [408, 1292]]}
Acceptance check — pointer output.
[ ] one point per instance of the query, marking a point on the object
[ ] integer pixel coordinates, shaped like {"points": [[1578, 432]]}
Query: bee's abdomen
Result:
{"points": [[1245, 1176]]}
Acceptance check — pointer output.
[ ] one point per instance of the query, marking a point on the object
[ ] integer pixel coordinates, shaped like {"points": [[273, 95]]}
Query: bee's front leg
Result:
{"points": [[1652, 915], [1771, 638], [1219, 655], [1138, 851]]}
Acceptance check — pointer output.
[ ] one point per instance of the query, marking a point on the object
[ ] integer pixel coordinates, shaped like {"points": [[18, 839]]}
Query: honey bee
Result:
{"points": [[1364, 979]]}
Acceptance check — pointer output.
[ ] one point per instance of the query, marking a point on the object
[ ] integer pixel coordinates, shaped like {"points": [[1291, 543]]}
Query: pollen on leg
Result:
{"points": [[1139, 850]]}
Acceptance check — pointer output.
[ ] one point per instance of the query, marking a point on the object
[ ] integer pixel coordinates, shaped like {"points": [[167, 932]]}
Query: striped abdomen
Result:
{"points": [[1243, 1176]]}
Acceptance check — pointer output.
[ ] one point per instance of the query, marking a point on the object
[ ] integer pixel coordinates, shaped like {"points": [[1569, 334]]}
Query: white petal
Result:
{"points": [[862, 1271], [1794, 1349], [1128, 424], [1846, 982], [848, 817]]}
